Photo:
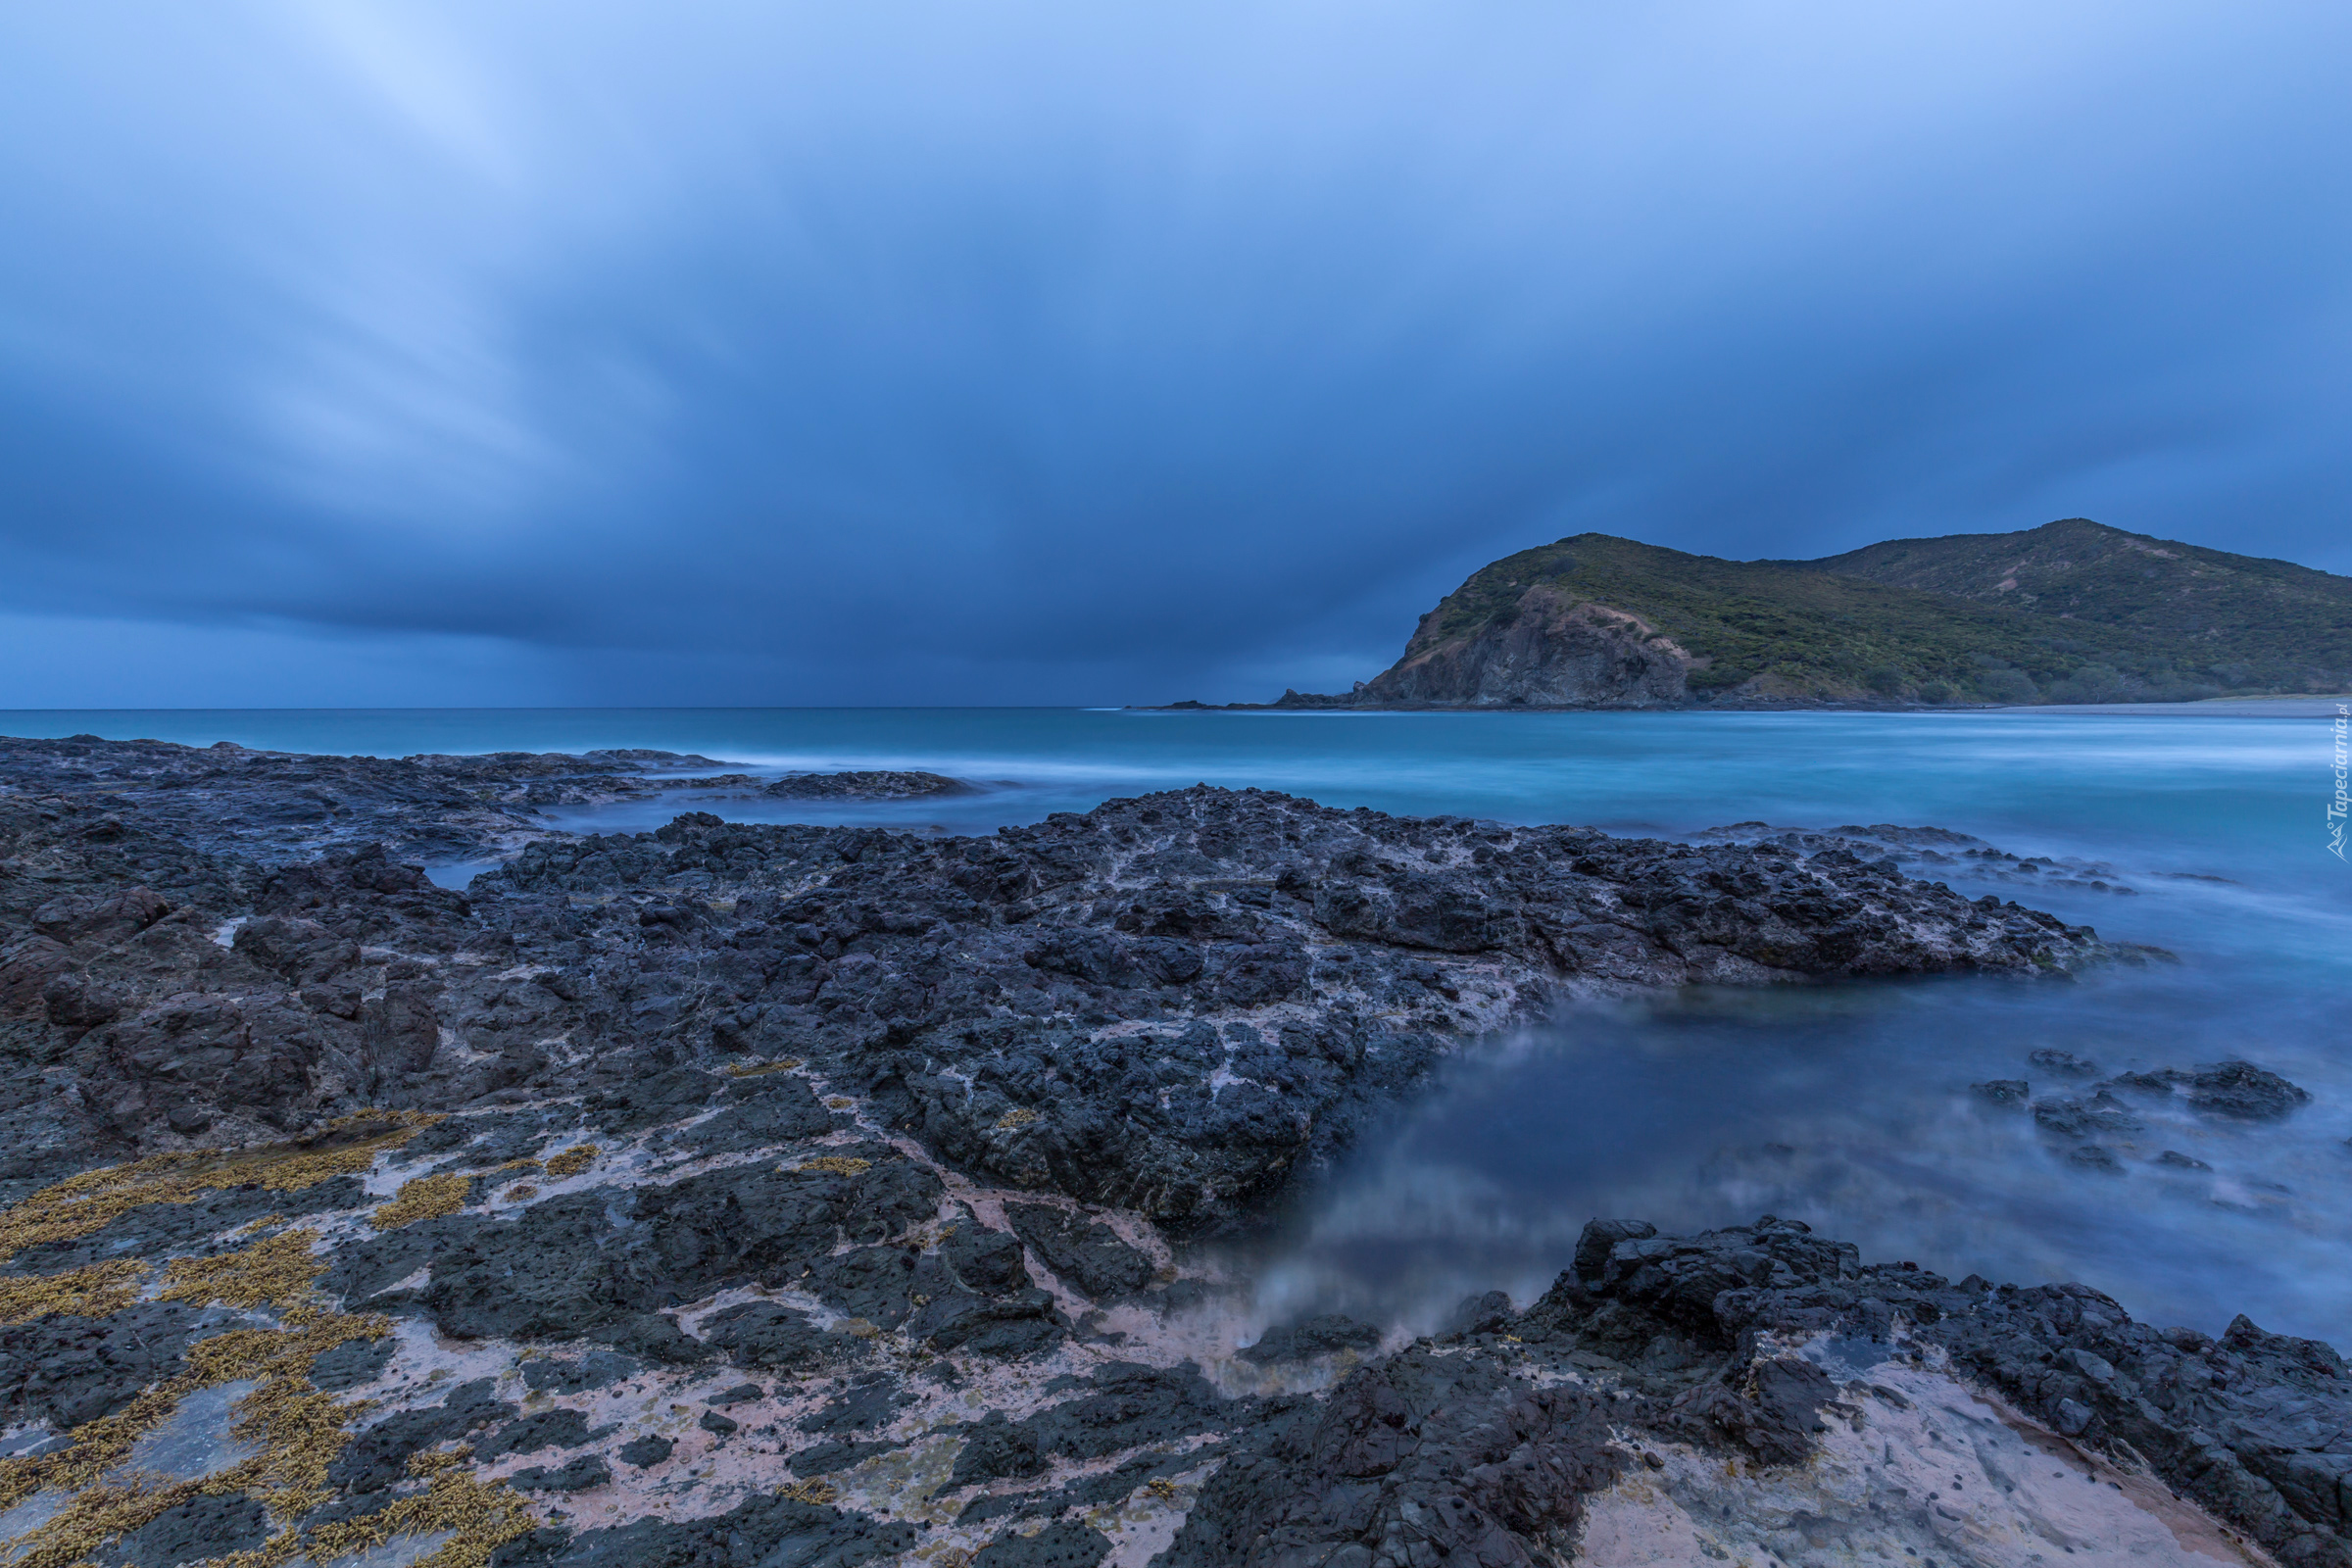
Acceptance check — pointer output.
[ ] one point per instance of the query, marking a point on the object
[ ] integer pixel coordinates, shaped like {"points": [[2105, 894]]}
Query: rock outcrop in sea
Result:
{"points": [[736, 1194], [884, 784]]}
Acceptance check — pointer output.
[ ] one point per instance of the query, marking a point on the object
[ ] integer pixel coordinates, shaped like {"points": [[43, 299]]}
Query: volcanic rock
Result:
{"points": [[874, 785], [909, 1130]]}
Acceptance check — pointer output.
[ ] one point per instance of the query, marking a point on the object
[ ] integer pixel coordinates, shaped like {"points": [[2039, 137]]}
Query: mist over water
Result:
{"points": [[1844, 1105], [1849, 1108]]}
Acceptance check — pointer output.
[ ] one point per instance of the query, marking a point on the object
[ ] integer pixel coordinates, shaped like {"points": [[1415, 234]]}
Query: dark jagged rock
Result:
{"points": [[1252, 937], [877, 785], [2069, 1117], [645, 1453], [575, 1475], [191, 1227], [1939, 851], [1167, 1004], [875, 1284], [1471, 1446], [758, 1333], [828, 1459], [769, 1111], [2235, 1089], [2253, 1426], [569, 1267], [563, 1374], [1482, 1313], [1126, 1404], [1117, 1484], [989, 1261], [1086, 1253], [871, 1405], [549, 1429], [351, 1364], [62, 1370], [202, 1528], [1420, 1458], [2064, 1063], [274, 804], [1061, 1546], [756, 1533], [1014, 1325], [995, 1450], [378, 1456], [722, 1101]]}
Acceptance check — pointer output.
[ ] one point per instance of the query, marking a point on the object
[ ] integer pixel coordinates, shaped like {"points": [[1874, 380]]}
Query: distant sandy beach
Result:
{"points": [[2212, 707]]}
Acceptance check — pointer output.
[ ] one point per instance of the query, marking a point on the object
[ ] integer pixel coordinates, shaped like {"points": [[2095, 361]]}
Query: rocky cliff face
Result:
{"points": [[1551, 650]]}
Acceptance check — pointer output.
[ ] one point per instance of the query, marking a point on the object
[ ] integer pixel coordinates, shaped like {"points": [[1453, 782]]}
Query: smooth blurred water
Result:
{"points": [[1843, 1105]]}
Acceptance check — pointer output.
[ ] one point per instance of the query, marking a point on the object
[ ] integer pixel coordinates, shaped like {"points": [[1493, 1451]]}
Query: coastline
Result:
{"points": [[2278, 706], [686, 1145]]}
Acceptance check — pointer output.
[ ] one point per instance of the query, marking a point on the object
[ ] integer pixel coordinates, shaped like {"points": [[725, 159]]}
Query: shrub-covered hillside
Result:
{"points": [[2071, 612]]}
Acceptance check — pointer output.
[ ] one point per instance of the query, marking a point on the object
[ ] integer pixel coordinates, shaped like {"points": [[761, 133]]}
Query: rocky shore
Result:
{"points": [[746, 1195]]}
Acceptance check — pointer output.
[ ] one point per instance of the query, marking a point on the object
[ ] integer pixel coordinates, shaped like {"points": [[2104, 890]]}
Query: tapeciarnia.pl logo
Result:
{"points": [[2342, 802]]}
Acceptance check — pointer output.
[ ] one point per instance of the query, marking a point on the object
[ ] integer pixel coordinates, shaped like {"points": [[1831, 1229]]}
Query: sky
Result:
{"points": [[569, 351]]}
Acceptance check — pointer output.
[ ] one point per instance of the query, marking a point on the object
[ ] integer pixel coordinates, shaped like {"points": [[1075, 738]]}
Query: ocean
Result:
{"points": [[1845, 1105]]}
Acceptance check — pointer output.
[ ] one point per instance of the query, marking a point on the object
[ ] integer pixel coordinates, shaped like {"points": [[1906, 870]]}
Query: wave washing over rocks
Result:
{"points": [[269, 805], [777, 1195]]}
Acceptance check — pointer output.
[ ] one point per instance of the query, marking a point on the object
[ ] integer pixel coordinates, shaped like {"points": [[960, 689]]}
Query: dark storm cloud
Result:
{"points": [[901, 352]]}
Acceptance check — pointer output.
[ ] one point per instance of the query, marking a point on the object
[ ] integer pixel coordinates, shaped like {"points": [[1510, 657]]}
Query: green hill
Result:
{"points": [[2074, 611], [2241, 621]]}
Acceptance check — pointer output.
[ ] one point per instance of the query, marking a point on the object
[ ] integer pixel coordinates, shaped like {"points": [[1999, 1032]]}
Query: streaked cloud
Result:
{"points": [[1040, 352]]}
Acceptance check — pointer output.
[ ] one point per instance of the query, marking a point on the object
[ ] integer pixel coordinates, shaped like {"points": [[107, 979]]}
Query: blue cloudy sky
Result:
{"points": [[1030, 350]]}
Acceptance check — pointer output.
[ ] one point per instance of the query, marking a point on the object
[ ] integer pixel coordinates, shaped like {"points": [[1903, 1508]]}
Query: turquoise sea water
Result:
{"points": [[1843, 1105]]}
